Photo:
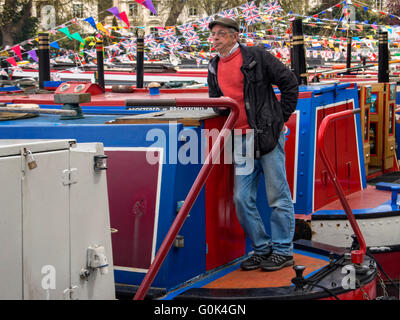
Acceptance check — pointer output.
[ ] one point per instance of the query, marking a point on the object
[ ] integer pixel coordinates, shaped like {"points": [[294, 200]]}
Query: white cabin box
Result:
{"points": [[55, 236]]}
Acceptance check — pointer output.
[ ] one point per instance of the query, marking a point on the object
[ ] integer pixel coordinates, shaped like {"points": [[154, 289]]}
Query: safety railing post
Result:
{"points": [[357, 256], [199, 181]]}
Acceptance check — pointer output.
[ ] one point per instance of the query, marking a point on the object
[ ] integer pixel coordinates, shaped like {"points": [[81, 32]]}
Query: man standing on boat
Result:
{"points": [[246, 74]]}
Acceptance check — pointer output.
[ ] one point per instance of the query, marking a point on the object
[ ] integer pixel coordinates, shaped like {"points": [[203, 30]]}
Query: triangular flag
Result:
{"points": [[33, 55], [66, 32], [17, 50], [115, 12], [149, 5], [54, 44], [124, 18], [91, 21], [100, 26], [202, 54], [78, 37], [11, 61]]}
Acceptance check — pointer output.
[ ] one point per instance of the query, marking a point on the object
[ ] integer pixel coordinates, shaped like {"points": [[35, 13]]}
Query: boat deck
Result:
{"points": [[260, 279], [364, 199], [232, 277]]}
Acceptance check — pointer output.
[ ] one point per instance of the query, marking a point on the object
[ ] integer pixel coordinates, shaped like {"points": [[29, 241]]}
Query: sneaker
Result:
{"points": [[254, 261], [276, 261]]}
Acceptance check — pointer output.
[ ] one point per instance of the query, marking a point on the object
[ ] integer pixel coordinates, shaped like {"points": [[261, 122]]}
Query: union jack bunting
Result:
{"points": [[129, 45], [114, 48], [167, 34], [157, 49], [186, 28], [272, 7], [249, 8], [174, 45], [230, 13], [203, 23], [251, 18], [149, 40], [192, 38], [92, 53]]}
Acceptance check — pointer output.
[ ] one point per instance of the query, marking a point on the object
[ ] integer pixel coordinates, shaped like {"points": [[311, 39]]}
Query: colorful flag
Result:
{"points": [[77, 37], [66, 32], [115, 12], [149, 40], [33, 55], [157, 49], [192, 38], [54, 44], [230, 13], [203, 23], [272, 7], [148, 4], [186, 28], [17, 50], [167, 34], [249, 8], [91, 21], [251, 18], [130, 46], [124, 18], [174, 45], [12, 61]]}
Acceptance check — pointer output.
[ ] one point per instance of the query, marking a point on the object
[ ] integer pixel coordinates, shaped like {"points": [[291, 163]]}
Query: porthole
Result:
{"points": [[65, 87], [79, 88]]}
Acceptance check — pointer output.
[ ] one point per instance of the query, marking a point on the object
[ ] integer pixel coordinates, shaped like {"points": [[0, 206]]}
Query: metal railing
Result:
{"points": [[201, 177], [357, 256]]}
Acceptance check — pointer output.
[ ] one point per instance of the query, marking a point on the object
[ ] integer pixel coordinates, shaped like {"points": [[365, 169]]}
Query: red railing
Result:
{"points": [[198, 183], [357, 256]]}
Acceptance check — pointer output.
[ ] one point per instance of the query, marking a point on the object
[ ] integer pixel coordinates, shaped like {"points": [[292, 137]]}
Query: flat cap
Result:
{"points": [[226, 22]]}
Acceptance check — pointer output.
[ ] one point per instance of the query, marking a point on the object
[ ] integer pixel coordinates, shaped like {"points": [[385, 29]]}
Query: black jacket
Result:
{"points": [[265, 114]]}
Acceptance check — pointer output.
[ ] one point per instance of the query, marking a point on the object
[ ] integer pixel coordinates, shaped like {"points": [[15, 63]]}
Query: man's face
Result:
{"points": [[223, 40]]}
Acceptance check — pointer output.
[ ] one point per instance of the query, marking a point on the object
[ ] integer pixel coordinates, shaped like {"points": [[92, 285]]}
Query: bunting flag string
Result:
{"points": [[169, 41]]}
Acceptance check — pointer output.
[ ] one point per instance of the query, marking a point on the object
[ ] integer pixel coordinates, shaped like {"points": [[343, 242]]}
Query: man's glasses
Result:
{"points": [[219, 34]]}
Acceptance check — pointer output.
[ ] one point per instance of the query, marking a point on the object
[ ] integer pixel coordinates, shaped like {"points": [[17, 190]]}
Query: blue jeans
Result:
{"points": [[246, 183]]}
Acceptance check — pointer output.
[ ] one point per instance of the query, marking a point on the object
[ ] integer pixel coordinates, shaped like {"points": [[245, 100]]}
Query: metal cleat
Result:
{"points": [[71, 101]]}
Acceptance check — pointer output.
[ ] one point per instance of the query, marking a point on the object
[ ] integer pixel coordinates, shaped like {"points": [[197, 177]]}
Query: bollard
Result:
{"points": [[348, 54], [44, 58], [100, 64], [383, 65], [299, 57], [139, 58]]}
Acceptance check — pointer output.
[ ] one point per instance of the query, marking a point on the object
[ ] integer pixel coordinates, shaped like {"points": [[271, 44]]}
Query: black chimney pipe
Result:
{"points": [[348, 57], [44, 59], [100, 64], [383, 64], [299, 57], [139, 58]]}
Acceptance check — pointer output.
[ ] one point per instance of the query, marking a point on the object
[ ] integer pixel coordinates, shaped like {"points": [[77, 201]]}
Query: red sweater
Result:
{"points": [[230, 80]]}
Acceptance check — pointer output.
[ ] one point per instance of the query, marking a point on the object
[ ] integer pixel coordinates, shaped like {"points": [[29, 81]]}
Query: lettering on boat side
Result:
{"points": [[203, 309]]}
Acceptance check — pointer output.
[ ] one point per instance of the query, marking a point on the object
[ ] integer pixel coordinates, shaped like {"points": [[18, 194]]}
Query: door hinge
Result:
{"points": [[70, 176]]}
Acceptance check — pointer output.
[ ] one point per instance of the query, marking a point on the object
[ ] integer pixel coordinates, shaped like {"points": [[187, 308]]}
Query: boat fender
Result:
{"points": [[120, 88]]}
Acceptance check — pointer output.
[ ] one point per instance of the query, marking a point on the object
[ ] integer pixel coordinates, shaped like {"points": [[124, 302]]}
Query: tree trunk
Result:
{"points": [[176, 9], [13, 17]]}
